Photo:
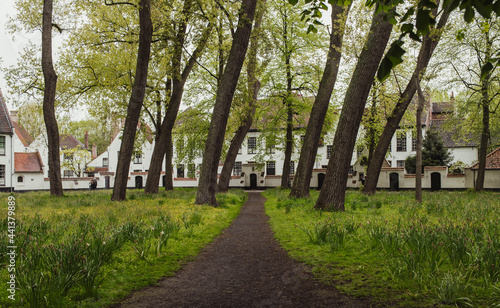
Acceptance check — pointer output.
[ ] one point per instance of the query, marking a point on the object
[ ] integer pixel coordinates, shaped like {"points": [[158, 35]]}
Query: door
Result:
{"points": [[435, 181], [106, 181], [138, 182], [321, 179], [253, 181], [394, 181]]}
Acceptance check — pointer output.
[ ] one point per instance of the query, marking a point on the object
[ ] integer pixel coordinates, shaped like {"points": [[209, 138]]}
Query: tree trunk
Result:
{"points": [[332, 194], [285, 174], [49, 98], [164, 143], [428, 45], [418, 172], [302, 178], [372, 132], [208, 177], [169, 154], [135, 103], [253, 89], [485, 134]]}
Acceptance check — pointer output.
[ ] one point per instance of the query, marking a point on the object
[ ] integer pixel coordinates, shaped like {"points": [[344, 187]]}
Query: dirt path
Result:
{"points": [[244, 267]]}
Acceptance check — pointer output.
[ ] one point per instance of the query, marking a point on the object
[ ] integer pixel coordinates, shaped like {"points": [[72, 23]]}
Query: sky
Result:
{"points": [[10, 45]]}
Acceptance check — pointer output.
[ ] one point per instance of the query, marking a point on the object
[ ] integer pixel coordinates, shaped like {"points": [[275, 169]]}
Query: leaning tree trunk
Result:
{"points": [[135, 103], [169, 155], [49, 98], [332, 194], [253, 89], [208, 176], [428, 45], [179, 79], [303, 174], [418, 172]]}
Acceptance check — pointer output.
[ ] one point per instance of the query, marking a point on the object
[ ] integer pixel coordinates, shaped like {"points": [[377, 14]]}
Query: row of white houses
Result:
{"points": [[24, 167]]}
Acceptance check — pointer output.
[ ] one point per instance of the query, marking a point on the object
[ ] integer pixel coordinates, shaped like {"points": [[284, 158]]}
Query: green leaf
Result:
{"points": [[484, 10], [396, 52], [423, 21], [393, 20], [496, 7], [384, 69], [486, 69], [293, 2], [469, 14], [407, 28], [415, 37], [407, 15], [312, 29]]}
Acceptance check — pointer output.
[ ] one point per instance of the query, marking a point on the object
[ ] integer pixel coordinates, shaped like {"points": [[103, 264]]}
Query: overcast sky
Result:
{"points": [[10, 47]]}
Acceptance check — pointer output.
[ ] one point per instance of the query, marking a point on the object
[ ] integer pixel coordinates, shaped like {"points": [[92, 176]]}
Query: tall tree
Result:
{"points": [[429, 43], [49, 97], [253, 87], [332, 194], [135, 102], [208, 176], [418, 173], [164, 142], [310, 145]]}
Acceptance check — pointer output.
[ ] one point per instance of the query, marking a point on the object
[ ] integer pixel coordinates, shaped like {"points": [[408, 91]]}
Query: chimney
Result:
{"points": [[94, 151], [86, 140], [13, 116]]}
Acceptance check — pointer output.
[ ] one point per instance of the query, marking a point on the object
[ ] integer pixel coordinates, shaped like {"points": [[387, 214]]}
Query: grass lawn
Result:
{"points": [[83, 250], [396, 252]]}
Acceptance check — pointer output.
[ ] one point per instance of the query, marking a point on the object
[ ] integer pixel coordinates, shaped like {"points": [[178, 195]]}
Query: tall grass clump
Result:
{"points": [[397, 252], [83, 250]]}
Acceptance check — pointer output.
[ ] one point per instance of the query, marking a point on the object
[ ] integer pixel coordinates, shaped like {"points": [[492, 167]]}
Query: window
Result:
{"points": [[400, 163], [328, 151], [105, 162], [138, 159], [237, 168], [191, 171], [20, 179], [390, 146], [252, 145], [68, 173], [68, 156], [351, 170], [271, 168], [292, 167], [401, 142], [414, 141], [180, 171], [270, 148], [2, 145], [2, 174]]}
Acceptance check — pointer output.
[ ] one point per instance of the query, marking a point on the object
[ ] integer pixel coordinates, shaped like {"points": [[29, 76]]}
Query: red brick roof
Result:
{"points": [[492, 161], [5, 122], [28, 162], [67, 141], [22, 134]]}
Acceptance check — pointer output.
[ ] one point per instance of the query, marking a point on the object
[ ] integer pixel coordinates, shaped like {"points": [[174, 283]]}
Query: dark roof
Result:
{"points": [[67, 141], [442, 107], [22, 134], [449, 138], [28, 162], [5, 122], [492, 161]]}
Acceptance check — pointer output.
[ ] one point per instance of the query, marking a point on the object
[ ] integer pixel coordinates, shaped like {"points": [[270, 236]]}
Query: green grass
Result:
{"points": [[396, 252], [83, 250]]}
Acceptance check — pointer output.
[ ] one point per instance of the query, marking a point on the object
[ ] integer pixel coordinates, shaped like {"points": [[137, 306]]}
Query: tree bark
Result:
{"points": [[253, 89], [418, 172], [49, 98], [429, 43], [332, 194], [169, 154], [208, 177], [135, 103], [164, 144], [302, 179], [485, 130]]}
